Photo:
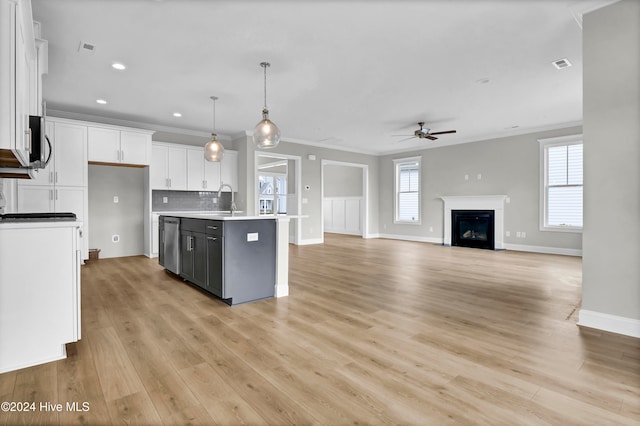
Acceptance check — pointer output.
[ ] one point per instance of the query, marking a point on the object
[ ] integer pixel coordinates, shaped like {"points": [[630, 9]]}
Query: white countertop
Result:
{"points": [[217, 216], [42, 224]]}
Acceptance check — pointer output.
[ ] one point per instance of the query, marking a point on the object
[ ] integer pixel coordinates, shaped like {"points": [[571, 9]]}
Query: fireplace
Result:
{"points": [[473, 228], [475, 202]]}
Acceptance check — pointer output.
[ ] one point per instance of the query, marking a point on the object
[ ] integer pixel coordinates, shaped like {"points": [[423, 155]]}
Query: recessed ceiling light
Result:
{"points": [[118, 66], [177, 114], [101, 101], [561, 63]]}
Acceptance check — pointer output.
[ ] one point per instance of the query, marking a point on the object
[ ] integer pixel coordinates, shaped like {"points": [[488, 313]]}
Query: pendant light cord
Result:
{"points": [[265, 65], [214, 99]]}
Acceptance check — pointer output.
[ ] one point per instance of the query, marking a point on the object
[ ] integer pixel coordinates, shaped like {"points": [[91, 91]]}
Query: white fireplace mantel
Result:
{"points": [[476, 202]]}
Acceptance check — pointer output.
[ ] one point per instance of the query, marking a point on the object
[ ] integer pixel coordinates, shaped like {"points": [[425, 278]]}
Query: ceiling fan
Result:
{"points": [[425, 133]]}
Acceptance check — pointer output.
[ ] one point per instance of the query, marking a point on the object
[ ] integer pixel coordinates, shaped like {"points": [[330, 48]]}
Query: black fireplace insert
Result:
{"points": [[473, 228]]}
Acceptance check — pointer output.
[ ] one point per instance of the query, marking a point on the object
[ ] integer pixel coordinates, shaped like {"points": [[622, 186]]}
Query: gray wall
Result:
{"points": [[611, 267], [508, 166], [342, 181], [125, 218]]}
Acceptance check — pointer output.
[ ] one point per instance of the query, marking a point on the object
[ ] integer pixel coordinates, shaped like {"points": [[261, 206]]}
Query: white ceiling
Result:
{"points": [[346, 74]]}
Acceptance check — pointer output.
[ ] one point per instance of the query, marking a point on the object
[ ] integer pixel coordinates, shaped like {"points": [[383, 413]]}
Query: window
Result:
{"points": [[273, 187], [561, 195], [407, 190]]}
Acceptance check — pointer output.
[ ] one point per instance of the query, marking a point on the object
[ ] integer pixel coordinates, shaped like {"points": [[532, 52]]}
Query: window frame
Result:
{"points": [[397, 163], [545, 144]]}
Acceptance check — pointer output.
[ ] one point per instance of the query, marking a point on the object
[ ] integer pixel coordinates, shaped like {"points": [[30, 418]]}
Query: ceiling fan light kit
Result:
{"points": [[213, 150], [266, 134], [426, 133]]}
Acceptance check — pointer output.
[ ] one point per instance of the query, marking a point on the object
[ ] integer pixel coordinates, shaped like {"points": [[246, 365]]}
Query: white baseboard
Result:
{"points": [[411, 238], [311, 241], [342, 231], [542, 249], [611, 323], [282, 290]]}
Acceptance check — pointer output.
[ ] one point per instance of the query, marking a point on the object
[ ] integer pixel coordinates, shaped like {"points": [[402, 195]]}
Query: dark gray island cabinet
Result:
{"points": [[231, 257]]}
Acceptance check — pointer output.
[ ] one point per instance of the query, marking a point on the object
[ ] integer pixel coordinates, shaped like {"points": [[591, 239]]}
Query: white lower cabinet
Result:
{"points": [[155, 227], [39, 292]]}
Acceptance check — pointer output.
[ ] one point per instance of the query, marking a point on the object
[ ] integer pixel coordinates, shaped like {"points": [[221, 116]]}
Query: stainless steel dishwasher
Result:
{"points": [[172, 244]]}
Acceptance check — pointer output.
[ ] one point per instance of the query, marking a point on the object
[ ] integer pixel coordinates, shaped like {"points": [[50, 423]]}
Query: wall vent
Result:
{"points": [[561, 63]]}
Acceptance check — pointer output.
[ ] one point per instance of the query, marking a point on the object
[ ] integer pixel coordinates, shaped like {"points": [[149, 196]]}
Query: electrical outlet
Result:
{"points": [[431, 229], [115, 238], [479, 176], [523, 234], [518, 234], [252, 236], [507, 233], [115, 199], [507, 200], [305, 200], [165, 200], [466, 177]]}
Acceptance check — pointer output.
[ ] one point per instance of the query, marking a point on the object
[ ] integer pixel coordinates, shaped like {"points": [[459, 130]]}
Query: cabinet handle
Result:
{"points": [[121, 155], [51, 195], [169, 182], [56, 179], [50, 177], [211, 227], [118, 154], [56, 195], [29, 136], [204, 184], [211, 238]]}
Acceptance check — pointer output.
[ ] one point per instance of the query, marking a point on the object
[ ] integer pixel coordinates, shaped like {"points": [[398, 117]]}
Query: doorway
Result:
{"points": [[277, 188], [344, 198]]}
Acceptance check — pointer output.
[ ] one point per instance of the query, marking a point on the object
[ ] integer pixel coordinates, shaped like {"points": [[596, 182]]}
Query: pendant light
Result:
{"points": [[213, 150], [266, 134]]}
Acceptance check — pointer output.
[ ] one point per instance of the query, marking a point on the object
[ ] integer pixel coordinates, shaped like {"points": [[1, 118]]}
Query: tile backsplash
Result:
{"points": [[189, 201]]}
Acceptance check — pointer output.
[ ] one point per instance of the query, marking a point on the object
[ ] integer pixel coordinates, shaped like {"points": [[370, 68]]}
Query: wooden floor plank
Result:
{"points": [[374, 331]]}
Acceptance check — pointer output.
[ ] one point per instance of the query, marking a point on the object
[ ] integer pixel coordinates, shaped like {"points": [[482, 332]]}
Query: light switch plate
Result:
{"points": [[115, 199], [252, 236]]}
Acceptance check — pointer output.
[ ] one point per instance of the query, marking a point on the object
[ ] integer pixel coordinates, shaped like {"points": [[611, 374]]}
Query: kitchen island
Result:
{"points": [[235, 257]]}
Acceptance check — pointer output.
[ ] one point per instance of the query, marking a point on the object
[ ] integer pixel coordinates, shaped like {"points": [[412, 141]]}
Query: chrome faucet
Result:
{"points": [[233, 203]]}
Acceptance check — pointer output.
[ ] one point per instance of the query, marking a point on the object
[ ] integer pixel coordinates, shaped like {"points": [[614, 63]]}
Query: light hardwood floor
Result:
{"points": [[373, 332]]}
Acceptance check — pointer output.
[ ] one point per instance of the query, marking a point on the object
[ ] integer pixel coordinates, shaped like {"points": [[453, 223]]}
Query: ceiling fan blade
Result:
{"points": [[401, 135], [406, 139], [442, 133], [433, 138]]}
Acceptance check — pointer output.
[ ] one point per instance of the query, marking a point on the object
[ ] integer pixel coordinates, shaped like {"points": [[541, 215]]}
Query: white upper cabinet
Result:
{"points": [[229, 170], [202, 175], [115, 146], [70, 151], [168, 167], [18, 60], [183, 167], [68, 163]]}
